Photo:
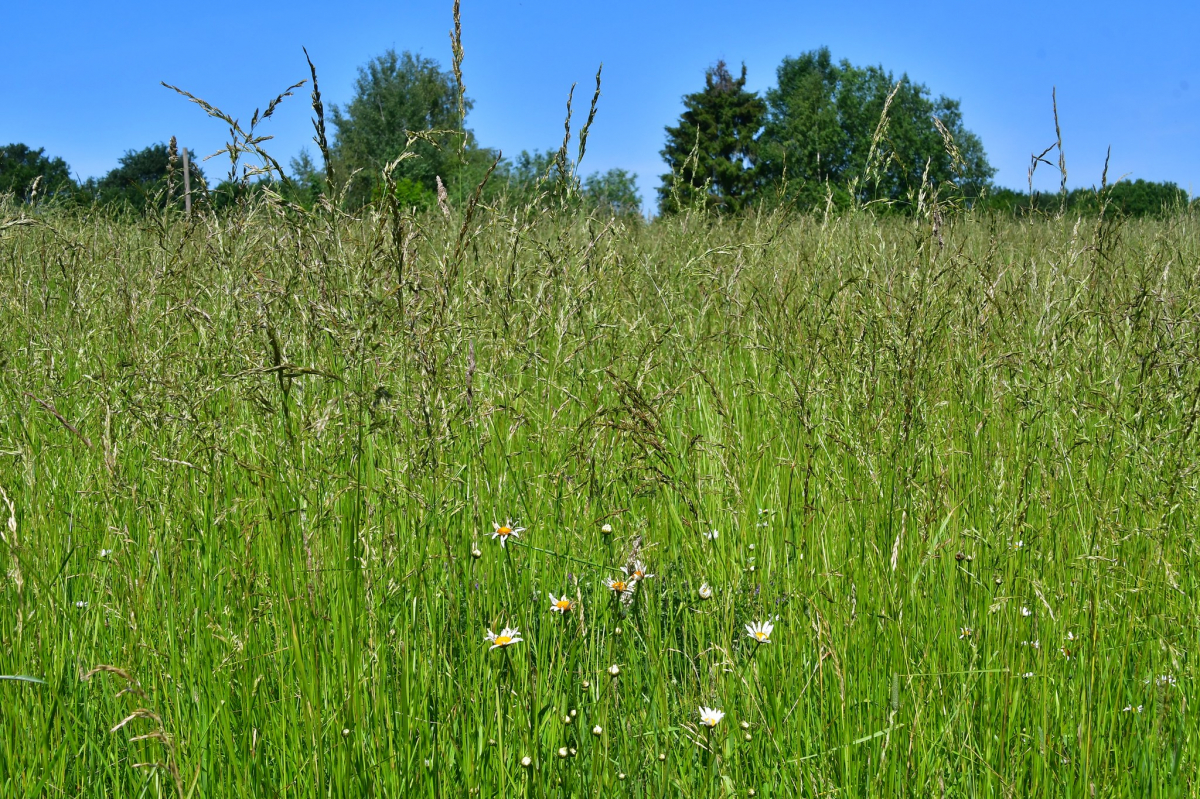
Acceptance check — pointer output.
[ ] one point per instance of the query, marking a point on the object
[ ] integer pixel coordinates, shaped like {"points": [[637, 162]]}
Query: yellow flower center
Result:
{"points": [[503, 531], [502, 640], [563, 604], [618, 585], [760, 635]]}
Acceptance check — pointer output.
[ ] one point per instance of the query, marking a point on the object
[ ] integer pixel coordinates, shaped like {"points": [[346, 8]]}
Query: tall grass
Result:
{"points": [[252, 464]]}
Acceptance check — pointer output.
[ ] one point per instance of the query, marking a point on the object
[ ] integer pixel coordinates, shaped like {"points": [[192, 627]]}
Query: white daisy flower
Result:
{"points": [[711, 535], [503, 531], [621, 588], [638, 572], [560, 604], [965, 632], [1071, 636], [705, 591], [1026, 612], [606, 529], [760, 632], [710, 717], [507, 637]]}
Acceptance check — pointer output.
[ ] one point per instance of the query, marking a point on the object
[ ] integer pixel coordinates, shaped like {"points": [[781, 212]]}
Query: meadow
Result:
{"points": [[253, 465]]}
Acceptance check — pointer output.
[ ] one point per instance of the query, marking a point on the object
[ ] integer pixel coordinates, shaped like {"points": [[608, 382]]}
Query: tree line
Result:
{"points": [[828, 136]]}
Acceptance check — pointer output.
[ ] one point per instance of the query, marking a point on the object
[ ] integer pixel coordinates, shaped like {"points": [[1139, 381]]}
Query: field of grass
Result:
{"points": [[251, 465]]}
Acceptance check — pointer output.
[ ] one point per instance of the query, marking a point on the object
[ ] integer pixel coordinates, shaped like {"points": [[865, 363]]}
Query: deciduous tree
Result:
{"points": [[21, 165]]}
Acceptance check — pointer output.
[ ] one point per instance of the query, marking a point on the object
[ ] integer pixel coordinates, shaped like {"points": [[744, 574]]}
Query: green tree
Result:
{"points": [[142, 177], [21, 165], [822, 122], [1146, 198], [713, 150], [613, 192], [532, 173], [396, 94]]}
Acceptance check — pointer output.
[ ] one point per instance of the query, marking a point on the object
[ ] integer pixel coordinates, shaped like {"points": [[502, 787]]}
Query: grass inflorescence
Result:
{"points": [[890, 513]]}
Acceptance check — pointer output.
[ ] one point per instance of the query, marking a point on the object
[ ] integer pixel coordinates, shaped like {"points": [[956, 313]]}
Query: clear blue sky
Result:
{"points": [[82, 79]]}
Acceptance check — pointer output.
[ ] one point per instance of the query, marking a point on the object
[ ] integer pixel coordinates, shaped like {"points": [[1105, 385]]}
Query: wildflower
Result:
{"points": [[597, 730], [614, 670], [503, 531], [81, 605], [606, 529], [621, 776], [104, 553], [345, 732], [1165, 679], [586, 685], [1026, 612], [1066, 653], [1027, 675], [965, 632], [745, 725], [620, 587], [1071, 636], [711, 535], [561, 604], [567, 718], [526, 761], [1035, 643], [639, 572], [475, 553], [705, 591], [710, 717], [1132, 709], [562, 752], [662, 756], [1018, 545], [507, 637], [760, 631]]}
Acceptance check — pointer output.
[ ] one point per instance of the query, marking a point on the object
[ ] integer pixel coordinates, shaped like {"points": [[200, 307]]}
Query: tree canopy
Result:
{"points": [[822, 125], [143, 176], [21, 166], [713, 150], [821, 132], [397, 94], [612, 192]]}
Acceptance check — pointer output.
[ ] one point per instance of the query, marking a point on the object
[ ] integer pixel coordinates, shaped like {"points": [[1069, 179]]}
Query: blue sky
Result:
{"points": [[82, 79]]}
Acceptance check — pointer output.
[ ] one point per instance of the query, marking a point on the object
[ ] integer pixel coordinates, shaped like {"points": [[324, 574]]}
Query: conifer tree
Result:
{"points": [[713, 150]]}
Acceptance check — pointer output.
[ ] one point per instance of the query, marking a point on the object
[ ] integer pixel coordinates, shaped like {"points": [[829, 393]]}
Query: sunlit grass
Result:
{"points": [[894, 518]]}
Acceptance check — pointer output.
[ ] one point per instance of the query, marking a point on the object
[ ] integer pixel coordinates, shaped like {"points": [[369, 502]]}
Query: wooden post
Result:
{"points": [[187, 185]]}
